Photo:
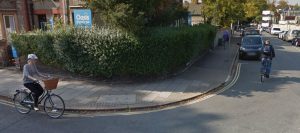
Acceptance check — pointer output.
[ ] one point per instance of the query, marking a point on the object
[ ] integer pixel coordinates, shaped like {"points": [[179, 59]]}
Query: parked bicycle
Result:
{"points": [[54, 105]]}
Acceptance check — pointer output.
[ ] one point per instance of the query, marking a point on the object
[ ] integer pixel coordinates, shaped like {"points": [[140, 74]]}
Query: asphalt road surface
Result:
{"points": [[247, 107]]}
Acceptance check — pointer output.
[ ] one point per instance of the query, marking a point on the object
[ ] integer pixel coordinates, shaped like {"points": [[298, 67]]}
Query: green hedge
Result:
{"points": [[108, 52]]}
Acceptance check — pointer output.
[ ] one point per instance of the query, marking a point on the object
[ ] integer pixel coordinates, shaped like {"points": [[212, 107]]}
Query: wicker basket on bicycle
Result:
{"points": [[51, 84]]}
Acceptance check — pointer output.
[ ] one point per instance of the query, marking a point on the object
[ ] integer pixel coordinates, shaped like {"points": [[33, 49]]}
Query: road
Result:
{"points": [[247, 107]]}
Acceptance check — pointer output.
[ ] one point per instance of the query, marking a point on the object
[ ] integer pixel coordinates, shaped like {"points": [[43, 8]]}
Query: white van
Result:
{"points": [[275, 30]]}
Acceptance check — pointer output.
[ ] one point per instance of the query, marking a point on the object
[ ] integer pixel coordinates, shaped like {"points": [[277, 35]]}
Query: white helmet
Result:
{"points": [[32, 56]]}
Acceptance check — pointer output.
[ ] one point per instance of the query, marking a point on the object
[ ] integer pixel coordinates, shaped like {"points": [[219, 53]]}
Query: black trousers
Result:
{"points": [[36, 89]]}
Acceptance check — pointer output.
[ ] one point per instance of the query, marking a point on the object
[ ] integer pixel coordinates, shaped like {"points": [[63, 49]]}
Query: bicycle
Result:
{"points": [[266, 62], [54, 105]]}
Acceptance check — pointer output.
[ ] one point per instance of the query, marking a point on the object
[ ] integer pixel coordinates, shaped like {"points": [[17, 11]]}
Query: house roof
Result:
{"points": [[290, 17]]}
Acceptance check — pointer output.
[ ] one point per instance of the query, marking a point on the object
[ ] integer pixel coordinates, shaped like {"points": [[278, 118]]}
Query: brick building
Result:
{"points": [[46, 11], [14, 17], [25, 15]]}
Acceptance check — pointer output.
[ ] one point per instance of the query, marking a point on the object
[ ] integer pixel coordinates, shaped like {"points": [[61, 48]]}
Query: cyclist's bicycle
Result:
{"points": [[54, 105], [265, 63]]}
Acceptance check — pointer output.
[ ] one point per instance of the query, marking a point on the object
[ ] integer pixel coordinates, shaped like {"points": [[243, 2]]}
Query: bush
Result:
{"points": [[108, 52]]}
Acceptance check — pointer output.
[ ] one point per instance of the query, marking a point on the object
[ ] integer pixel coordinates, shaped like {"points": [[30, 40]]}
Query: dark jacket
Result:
{"points": [[270, 54]]}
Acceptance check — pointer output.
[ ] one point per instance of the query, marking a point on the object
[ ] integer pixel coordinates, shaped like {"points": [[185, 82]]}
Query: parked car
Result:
{"points": [[250, 46], [275, 31], [290, 35], [281, 34], [296, 40]]}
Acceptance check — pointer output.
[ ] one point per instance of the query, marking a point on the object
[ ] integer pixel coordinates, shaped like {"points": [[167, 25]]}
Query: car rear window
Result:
{"points": [[252, 41], [252, 32], [295, 31]]}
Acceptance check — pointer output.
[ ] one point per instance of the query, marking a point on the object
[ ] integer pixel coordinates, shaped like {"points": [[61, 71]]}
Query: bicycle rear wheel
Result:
{"points": [[54, 106], [19, 105]]}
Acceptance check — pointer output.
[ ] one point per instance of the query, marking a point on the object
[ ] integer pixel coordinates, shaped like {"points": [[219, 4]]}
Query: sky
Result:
{"points": [[293, 2]]}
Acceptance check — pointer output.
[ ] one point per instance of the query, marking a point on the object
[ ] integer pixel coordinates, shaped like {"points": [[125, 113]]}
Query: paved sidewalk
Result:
{"points": [[207, 73]]}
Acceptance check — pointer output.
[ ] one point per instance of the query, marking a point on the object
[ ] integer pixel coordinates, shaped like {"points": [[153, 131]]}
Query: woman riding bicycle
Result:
{"points": [[268, 53], [30, 79]]}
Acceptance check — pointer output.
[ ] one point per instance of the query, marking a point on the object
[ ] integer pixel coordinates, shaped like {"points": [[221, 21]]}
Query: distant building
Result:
{"points": [[25, 15], [289, 16], [195, 13], [190, 1], [267, 19], [45, 12]]}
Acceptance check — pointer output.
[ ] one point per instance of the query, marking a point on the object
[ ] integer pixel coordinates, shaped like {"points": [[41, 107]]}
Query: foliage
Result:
{"points": [[282, 4], [108, 52], [272, 6], [222, 12], [297, 7], [225, 12], [254, 8], [132, 15]]}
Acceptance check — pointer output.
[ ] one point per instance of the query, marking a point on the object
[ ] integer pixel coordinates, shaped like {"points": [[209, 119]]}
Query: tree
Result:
{"points": [[282, 4], [133, 15], [272, 6], [254, 8], [297, 7], [114, 13], [222, 12]]}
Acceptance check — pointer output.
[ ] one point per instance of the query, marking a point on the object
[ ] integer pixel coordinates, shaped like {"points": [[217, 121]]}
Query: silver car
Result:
{"points": [[281, 34], [290, 35]]}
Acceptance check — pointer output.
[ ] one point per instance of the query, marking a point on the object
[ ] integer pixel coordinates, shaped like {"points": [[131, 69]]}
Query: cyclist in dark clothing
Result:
{"points": [[268, 53]]}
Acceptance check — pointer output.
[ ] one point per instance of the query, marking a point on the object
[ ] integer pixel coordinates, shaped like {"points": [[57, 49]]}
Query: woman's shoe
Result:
{"points": [[36, 109]]}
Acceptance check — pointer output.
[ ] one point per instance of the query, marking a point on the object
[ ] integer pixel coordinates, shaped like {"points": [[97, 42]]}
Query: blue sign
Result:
{"points": [[83, 18], [14, 52], [51, 23]]}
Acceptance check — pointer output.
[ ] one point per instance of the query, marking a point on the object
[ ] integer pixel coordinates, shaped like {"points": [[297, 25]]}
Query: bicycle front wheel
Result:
{"points": [[54, 106], [19, 105]]}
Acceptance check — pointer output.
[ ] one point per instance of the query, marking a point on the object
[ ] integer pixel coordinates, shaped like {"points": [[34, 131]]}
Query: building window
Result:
{"points": [[9, 23]]}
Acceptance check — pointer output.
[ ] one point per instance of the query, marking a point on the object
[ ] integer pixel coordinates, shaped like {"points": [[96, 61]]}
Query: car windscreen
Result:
{"points": [[251, 41]]}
